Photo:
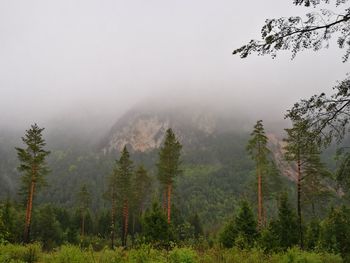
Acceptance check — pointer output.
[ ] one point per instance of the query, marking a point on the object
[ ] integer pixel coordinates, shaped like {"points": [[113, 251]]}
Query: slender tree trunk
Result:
{"points": [[169, 202], [299, 205], [29, 209], [113, 221], [126, 221], [260, 202]]}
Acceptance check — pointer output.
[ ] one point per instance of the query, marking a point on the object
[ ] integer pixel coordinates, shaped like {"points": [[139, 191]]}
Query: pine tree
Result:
{"points": [[124, 172], [33, 167], [304, 152], [84, 200], [169, 167], [257, 148]]}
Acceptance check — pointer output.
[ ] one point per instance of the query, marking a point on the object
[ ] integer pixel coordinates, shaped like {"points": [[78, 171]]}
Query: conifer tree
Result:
{"points": [[285, 228], [169, 167], [33, 168], [257, 148], [155, 228], [124, 172], [241, 230], [84, 200], [304, 152]]}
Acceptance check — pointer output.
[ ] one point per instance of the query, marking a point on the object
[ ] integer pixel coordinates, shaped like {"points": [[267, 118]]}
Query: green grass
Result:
{"points": [[146, 254]]}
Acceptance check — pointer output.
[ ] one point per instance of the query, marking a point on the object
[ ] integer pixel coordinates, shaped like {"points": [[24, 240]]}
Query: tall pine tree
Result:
{"points": [[33, 168], [124, 172], [257, 148], [169, 167], [302, 150]]}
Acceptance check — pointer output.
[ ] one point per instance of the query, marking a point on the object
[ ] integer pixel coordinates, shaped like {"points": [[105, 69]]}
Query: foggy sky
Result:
{"points": [[96, 59]]}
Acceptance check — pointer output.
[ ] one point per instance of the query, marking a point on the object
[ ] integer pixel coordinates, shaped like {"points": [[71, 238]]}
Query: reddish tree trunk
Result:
{"points": [[29, 212], [126, 221]]}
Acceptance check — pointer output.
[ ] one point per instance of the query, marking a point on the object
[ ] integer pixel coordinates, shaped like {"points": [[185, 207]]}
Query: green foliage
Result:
{"points": [[46, 228], [183, 255], [155, 227], [241, 231], [124, 172], [257, 145], [312, 235], [285, 228], [335, 232], [69, 254], [147, 254], [169, 159], [20, 254], [298, 256], [32, 159]]}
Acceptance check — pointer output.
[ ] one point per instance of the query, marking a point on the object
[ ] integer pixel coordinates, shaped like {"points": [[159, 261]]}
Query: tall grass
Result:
{"points": [[146, 254]]}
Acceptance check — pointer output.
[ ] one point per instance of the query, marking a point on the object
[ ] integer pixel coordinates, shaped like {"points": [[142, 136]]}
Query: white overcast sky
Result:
{"points": [[98, 58]]}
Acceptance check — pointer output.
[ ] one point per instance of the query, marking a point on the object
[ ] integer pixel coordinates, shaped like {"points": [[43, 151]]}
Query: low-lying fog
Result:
{"points": [[85, 63]]}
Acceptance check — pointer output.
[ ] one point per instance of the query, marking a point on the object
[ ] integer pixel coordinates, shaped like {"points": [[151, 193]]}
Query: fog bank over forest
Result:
{"points": [[85, 64]]}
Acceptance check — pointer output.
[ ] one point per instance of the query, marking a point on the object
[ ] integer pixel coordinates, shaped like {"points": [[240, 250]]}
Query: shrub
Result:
{"points": [[70, 254], [15, 253], [183, 255]]}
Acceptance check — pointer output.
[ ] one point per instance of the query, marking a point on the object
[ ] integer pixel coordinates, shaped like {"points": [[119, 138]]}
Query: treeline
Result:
{"points": [[136, 214]]}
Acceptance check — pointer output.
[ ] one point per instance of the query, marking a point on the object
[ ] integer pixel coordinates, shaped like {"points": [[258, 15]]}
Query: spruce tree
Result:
{"points": [[124, 172], [257, 148], [285, 228], [240, 231], [169, 167], [155, 227], [33, 168]]}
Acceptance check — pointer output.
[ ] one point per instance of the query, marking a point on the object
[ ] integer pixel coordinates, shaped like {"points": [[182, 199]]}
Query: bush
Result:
{"points": [[68, 254], [146, 254], [183, 255], [15, 253], [295, 255]]}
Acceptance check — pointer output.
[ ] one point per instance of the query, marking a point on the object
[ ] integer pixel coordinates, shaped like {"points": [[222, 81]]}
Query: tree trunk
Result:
{"points": [[299, 205], [260, 202], [29, 209], [126, 221], [113, 220], [169, 202]]}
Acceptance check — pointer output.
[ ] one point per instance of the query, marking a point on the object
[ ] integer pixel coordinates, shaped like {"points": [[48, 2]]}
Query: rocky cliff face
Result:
{"points": [[276, 146], [143, 129]]}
